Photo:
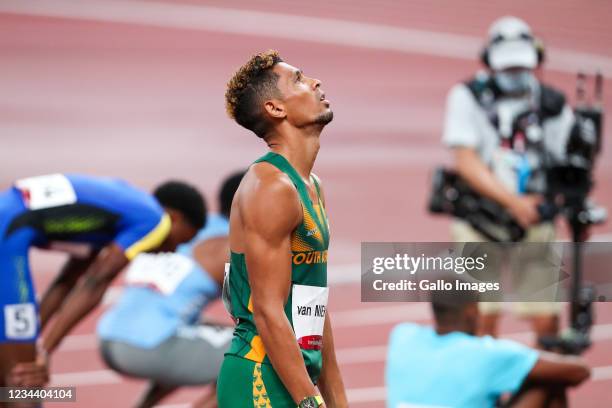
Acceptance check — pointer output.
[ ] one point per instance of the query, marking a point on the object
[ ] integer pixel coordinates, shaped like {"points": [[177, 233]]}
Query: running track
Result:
{"points": [[135, 89]]}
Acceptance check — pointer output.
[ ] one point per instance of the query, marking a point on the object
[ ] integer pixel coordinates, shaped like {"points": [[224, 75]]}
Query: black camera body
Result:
{"points": [[453, 196], [567, 187]]}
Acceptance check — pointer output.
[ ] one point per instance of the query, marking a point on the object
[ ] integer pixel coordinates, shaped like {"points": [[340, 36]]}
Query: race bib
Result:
{"points": [[309, 304], [226, 295], [20, 321], [161, 272], [48, 191]]}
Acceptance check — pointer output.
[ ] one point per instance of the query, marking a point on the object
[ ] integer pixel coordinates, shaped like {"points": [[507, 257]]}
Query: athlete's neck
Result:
{"points": [[167, 246], [298, 146], [451, 328], [461, 323]]}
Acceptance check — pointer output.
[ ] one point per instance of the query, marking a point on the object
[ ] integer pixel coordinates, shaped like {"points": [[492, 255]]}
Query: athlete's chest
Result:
{"points": [[312, 234]]}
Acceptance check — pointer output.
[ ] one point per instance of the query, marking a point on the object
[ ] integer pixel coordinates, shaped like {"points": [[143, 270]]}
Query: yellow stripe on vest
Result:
{"points": [[257, 352], [152, 240]]}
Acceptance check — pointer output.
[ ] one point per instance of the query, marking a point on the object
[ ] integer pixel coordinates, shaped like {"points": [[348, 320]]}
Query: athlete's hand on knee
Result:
{"points": [[31, 374]]}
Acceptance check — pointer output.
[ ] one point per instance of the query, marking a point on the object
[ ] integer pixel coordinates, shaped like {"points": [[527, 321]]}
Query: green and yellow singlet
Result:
{"points": [[307, 302]]}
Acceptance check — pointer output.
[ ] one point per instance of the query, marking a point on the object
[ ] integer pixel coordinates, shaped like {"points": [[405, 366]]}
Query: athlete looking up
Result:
{"points": [[108, 218], [283, 345]]}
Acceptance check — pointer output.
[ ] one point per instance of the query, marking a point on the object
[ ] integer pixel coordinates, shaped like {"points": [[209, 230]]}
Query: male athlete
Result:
{"points": [[104, 223], [448, 365], [154, 331], [283, 347]]}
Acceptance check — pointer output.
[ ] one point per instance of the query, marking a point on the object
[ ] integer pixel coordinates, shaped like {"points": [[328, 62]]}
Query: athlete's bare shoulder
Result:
{"points": [[267, 195], [264, 181]]}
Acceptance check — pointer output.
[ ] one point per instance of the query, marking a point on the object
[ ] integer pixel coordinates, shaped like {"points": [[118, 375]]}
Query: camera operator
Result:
{"points": [[504, 127]]}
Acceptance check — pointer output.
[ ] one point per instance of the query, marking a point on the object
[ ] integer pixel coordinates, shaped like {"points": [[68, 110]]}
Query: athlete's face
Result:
{"points": [[303, 100], [181, 230]]}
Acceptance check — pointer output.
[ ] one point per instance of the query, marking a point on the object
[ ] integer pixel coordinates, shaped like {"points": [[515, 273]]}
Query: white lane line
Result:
{"points": [[374, 394], [599, 332], [346, 318], [360, 355], [105, 377], [85, 378], [355, 395], [378, 353], [349, 273], [337, 275], [276, 25], [349, 318], [381, 315], [367, 394], [356, 355], [79, 342], [112, 295], [174, 406], [98, 377], [602, 373], [601, 238]]}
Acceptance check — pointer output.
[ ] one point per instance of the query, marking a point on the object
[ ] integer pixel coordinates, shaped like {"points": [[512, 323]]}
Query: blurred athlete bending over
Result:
{"points": [[103, 223], [154, 331]]}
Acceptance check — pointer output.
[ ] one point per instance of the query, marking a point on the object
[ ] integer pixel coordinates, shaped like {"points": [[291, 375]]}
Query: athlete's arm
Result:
{"points": [[476, 173], [86, 295], [330, 382], [72, 270], [554, 368], [270, 211]]}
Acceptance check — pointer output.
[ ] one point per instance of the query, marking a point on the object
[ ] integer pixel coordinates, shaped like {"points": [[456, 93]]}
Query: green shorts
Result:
{"points": [[244, 383]]}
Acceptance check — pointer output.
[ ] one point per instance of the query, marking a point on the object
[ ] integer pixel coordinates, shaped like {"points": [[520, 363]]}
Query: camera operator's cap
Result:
{"points": [[511, 44]]}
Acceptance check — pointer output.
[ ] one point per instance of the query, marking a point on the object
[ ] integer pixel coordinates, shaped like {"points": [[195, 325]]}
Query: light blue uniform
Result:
{"points": [[425, 369], [145, 318]]}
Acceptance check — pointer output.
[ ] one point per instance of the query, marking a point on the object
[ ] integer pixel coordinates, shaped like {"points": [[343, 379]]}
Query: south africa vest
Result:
{"points": [[306, 305]]}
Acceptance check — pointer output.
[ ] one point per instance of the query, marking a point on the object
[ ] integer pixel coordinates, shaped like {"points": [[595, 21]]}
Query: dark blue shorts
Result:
{"points": [[18, 309]]}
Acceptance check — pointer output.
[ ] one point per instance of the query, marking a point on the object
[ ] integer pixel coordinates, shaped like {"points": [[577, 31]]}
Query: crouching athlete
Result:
{"points": [[103, 223], [154, 331]]}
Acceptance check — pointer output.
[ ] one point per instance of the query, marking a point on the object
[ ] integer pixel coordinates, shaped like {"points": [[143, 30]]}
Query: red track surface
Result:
{"points": [[146, 104]]}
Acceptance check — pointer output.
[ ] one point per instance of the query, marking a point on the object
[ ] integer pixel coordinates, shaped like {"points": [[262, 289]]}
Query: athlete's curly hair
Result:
{"points": [[250, 86], [184, 198]]}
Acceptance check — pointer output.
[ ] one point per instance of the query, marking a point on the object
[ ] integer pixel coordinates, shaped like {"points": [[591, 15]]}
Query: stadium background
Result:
{"points": [[134, 89]]}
